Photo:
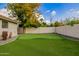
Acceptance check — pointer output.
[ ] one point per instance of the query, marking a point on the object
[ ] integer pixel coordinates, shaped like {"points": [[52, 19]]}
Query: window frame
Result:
{"points": [[4, 24]]}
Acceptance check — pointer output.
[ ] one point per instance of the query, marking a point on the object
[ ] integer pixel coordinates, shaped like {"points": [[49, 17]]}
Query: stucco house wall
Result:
{"points": [[0, 27], [12, 27]]}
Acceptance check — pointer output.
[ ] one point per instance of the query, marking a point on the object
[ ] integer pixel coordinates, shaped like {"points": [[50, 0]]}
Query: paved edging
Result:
{"points": [[3, 42], [69, 37]]}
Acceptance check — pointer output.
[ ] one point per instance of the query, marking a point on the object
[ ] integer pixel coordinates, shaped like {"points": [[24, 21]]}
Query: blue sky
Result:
{"points": [[2, 5], [57, 11], [62, 10]]}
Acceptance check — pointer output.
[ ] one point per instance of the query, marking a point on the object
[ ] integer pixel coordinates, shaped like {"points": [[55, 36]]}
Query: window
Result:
{"points": [[4, 24]]}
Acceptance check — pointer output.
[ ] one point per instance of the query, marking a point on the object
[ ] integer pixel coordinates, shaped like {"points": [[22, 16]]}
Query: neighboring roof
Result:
{"points": [[8, 19]]}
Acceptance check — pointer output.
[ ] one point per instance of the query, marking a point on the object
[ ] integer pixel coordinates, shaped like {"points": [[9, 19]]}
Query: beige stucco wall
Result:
{"points": [[11, 28], [0, 27], [40, 30], [69, 30]]}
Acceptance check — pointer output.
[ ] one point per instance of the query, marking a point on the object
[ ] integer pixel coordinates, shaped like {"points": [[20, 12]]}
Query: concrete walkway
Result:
{"points": [[3, 42]]}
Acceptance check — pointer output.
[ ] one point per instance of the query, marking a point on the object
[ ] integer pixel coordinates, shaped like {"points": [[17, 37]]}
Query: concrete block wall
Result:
{"points": [[67, 30], [40, 30], [72, 31]]}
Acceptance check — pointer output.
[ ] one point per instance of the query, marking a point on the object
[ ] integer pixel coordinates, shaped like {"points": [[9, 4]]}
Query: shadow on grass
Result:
{"points": [[40, 38]]}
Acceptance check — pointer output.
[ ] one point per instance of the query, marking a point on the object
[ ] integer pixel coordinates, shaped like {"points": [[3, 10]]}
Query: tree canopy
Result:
{"points": [[25, 13]]}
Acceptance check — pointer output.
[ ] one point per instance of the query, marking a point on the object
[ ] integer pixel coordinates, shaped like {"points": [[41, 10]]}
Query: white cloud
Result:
{"points": [[77, 11], [53, 13], [73, 11], [4, 12], [47, 21], [47, 11]]}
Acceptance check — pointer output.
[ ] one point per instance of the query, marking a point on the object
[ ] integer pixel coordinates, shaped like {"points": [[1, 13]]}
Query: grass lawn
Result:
{"points": [[41, 45]]}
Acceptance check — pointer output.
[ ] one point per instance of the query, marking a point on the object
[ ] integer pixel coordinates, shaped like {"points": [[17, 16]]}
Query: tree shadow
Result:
{"points": [[40, 38]]}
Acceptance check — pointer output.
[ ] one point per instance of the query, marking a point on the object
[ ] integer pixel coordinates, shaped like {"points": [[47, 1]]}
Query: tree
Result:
{"points": [[72, 21], [56, 24], [44, 24], [41, 20], [24, 13]]}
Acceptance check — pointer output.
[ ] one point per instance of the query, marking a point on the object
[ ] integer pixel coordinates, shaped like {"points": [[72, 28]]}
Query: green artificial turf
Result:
{"points": [[40, 45]]}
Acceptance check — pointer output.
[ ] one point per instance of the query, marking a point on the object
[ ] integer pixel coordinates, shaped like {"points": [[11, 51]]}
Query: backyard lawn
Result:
{"points": [[41, 45]]}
